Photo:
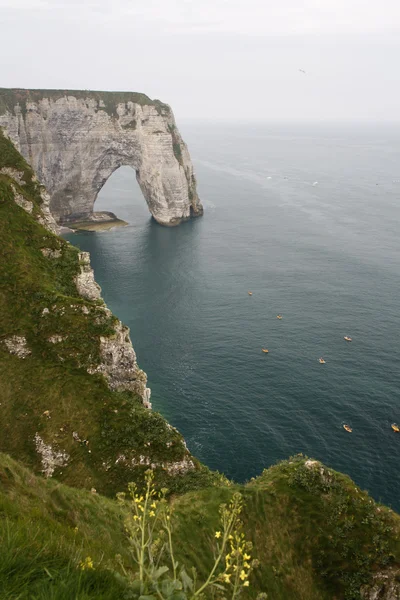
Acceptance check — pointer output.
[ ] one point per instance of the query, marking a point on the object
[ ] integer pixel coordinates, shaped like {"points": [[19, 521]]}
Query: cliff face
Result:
{"points": [[74, 141], [74, 403]]}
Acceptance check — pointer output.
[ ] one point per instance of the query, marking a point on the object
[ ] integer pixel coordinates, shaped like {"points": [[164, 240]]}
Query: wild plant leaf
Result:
{"points": [[178, 596], [186, 580], [158, 572], [219, 586], [168, 587]]}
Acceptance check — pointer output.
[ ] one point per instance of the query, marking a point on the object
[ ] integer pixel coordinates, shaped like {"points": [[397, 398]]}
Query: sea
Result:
{"points": [[306, 216]]}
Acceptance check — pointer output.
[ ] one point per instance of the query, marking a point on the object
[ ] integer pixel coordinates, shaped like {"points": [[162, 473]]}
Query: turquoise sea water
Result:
{"points": [[324, 255]]}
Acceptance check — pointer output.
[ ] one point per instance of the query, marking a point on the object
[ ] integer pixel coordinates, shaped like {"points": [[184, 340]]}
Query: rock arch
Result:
{"points": [[75, 140]]}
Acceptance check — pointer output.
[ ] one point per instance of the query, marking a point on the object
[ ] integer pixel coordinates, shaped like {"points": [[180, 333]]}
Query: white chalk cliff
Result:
{"points": [[75, 140]]}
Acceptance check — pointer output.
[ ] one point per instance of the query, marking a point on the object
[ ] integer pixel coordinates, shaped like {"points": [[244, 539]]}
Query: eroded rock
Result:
{"points": [[27, 205], [119, 364], [14, 174], [385, 586], [56, 339], [50, 253], [179, 467], [16, 344], [85, 282], [50, 457]]}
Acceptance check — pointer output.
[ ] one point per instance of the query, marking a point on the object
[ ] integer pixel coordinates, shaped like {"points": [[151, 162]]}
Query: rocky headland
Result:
{"points": [[75, 139]]}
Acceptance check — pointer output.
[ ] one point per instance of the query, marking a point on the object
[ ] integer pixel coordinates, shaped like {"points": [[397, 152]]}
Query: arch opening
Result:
{"points": [[122, 198]]}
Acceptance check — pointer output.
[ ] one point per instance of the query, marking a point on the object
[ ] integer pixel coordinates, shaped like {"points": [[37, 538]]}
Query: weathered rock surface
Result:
{"points": [[84, 281], [50, 457], [75, 140], [16, 344], [385, 586], [43, 216], [119, 365]]}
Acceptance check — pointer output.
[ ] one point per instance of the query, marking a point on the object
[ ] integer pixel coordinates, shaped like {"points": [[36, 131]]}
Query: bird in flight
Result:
{"points": [[302, 71]]}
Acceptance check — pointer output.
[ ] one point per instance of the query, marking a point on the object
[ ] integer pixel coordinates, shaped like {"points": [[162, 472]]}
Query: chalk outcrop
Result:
{"points": [[16, 344], [385, 586], [118, 363], [75, 140], [84, 281]]}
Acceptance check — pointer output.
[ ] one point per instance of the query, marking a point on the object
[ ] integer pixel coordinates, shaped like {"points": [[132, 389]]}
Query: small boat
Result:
{"points": [[322, 361], [395, 427], [347, 338], [250, 293], [265, 350], [347, 428], [279, 316]]}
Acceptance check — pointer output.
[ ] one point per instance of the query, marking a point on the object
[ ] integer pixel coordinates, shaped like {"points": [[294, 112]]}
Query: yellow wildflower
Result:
{"points": [[243, 575], [86, 564], [246, 565], [135, 517], [246, 557], [217, 534], [227, 558], [153, 505], [227, 577], [230, 537], [152, 513], [246, 584]]}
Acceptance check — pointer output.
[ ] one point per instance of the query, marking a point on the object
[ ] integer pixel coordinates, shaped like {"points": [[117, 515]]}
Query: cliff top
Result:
{"points": [[316, 535], [10, 97]]}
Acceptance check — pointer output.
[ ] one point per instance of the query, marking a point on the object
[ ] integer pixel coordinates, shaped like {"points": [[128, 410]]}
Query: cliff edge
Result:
{"points": [[74, 403], [75, 139]]}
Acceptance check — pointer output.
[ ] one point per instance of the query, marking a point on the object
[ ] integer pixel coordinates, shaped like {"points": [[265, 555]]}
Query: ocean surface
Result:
{"points": [[307, 217]]}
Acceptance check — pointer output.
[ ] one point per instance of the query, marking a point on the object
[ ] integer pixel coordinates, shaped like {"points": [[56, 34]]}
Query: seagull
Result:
{"points": [[302, 71]]}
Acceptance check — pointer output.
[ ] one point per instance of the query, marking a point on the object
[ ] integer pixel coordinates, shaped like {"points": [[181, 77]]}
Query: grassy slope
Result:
{"points": [[54, 377], [317, 537], [9, 97], [315, 540]]}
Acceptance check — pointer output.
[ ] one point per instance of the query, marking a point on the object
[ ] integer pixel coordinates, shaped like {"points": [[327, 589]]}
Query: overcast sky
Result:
{"points": [[218, 59]]}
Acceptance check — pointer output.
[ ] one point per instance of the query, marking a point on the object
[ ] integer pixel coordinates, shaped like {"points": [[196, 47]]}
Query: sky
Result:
{"points": [[214, 59]]}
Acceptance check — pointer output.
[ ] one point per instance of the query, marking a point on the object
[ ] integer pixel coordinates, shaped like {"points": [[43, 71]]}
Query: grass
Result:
{"points": [[47, 529]]}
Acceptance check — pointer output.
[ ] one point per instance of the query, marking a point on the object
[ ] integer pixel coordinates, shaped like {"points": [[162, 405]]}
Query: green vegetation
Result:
{"points": [[177, 152], [154, 550], [9, 97], [47, 530], [176, 145]]}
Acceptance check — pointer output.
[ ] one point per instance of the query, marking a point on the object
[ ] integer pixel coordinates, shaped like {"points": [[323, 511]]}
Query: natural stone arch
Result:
{"points": [[76, 140]]}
